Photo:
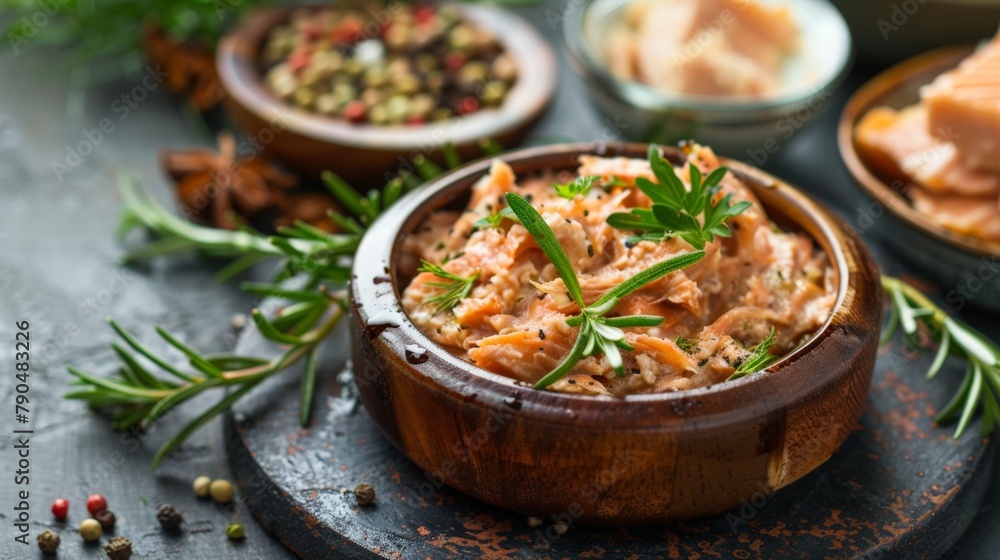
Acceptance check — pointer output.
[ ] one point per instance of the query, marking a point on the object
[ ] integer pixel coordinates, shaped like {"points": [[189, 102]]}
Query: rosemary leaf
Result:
{"points": [[547, 242], [307, 388]]}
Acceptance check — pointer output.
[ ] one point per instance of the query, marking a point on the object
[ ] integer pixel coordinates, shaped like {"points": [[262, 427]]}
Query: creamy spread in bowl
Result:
{"points": [[512, 320]]}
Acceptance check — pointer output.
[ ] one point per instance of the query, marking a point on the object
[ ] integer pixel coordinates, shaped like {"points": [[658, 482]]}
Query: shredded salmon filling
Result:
{"points": [[513, 322]]}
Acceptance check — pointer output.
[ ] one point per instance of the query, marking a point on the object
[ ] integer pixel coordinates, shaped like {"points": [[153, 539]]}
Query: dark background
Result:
{"points": [[59, 270]]}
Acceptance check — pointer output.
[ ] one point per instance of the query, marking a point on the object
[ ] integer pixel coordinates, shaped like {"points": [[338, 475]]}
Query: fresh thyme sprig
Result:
{"points": [[676, 212], [759, 359], [598, 334], [915, 313], [580, 185], [452, 290]]}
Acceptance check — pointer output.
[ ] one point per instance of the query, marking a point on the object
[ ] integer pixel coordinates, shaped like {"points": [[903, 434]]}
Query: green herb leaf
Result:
{"points": [[677, 212], [547, 242], [453, 290], [980, 388], [580, 185], [495, 219], [758, 360]]}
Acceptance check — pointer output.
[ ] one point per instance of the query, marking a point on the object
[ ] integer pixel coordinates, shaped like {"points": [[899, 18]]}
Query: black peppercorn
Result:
{"points": [[119, 548], [364, 493], [48, 542], [169, 517], [106, 518]]}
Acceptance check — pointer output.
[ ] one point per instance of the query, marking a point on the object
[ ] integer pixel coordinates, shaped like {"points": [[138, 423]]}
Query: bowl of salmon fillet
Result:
{"points": [[457, 314], [923, 140], [738, 75]]}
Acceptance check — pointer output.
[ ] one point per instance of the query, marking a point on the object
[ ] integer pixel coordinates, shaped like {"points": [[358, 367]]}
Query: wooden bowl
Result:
{"points": [[954, 260], [888, 31], [640, 459], [313, 143]]}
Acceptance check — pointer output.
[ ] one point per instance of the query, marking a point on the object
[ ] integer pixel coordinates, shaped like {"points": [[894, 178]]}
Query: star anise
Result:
{"points": [[213, 186], [190, 67]]}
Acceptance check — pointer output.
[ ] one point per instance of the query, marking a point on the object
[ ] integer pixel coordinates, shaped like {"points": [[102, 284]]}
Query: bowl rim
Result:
{"points": [[238, 69], [865, 99], [641, 95], [381, 245]]}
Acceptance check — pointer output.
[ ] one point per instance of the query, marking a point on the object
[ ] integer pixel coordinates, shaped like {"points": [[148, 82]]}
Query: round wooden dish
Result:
{"points": [[313, 143], [642, 459], [948, 257]]}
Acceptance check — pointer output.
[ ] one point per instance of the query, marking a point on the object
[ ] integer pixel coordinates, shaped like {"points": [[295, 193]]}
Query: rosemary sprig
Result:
{"points": [[676, 212], [759, 359], [452, 290], [915, 313], [141, 396], [598, 334], [580, 185], [321, 262]]}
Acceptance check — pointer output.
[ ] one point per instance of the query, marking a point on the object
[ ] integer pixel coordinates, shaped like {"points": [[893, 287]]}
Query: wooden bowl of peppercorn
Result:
{"points": [[640, 459], [480, 74]]}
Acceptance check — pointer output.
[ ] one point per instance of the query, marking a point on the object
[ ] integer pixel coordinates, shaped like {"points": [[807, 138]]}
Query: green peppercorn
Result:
{"points": [[327, 104], [235, 531], [90, 529], [426, 62], [461, 37], [493, 93], [434, 81], [328, 62], [398, 108], [378, 114], [48, 542], [304, 96], [309, 76], [353, 67], [406, 84], [474, 72], [282, 81], [376, 77], [344, 93], [422, 104], [441, 114], [221, 491]]}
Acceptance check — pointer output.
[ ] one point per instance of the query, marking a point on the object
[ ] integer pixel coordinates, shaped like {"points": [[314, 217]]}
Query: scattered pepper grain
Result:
{"points": [[118, 548], [106, 518], [90, 530], [364, 494], [169, 517], [221, 491], [48, 542], [235, 531], [200, 486]]}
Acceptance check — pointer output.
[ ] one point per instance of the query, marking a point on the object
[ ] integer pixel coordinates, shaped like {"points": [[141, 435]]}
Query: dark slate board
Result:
{"points": [[898, 487]]}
